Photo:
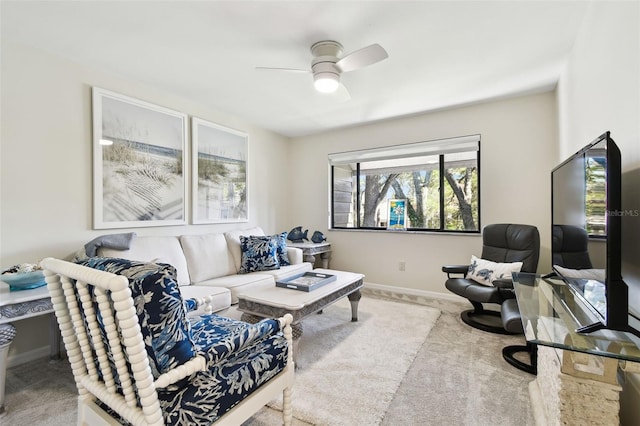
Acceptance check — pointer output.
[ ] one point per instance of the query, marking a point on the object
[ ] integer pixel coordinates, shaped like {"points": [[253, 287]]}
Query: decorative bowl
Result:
{"points": [[24, 280]]}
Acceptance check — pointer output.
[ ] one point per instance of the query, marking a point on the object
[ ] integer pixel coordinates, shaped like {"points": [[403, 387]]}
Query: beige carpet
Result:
{"points": [[348, 372], [458, 377], [40, 393]]}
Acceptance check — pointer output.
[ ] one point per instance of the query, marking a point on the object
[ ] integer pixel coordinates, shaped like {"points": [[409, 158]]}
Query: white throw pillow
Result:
{"points": [[485, 271]]}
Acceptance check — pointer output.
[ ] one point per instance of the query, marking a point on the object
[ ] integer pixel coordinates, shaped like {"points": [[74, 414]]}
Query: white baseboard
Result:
{"points": [[403, 291], [28, 356]]}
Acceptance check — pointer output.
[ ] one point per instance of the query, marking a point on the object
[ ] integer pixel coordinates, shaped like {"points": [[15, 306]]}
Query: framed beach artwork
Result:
{"points": [[139, 168], [219, 173], [397, 215]]}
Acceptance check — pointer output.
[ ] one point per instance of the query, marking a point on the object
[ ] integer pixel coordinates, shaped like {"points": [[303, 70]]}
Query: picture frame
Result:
{"points": [[219, 167], [139, 167], [397, 215]]}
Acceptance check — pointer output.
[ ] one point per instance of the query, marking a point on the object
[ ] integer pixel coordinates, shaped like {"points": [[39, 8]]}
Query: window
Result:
{"points": [[439, 179]]}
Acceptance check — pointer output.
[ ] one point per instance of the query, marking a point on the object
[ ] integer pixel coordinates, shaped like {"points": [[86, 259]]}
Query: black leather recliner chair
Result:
{"points": [[569, 249], [502, 243]]}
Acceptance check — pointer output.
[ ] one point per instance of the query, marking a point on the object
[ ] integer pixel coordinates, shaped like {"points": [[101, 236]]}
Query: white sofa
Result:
{"points": [[208, 264]]}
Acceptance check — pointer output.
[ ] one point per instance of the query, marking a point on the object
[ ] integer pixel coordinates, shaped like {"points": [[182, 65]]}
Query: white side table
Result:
{"points": [[310, 250], [18, 305]]}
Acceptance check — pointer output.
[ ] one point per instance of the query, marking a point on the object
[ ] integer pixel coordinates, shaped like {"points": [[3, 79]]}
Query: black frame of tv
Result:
{"points": [[616, 290]]}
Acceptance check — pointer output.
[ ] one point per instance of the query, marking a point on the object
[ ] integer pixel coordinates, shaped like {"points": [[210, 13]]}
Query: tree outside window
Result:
{"points": [[441, 189]]}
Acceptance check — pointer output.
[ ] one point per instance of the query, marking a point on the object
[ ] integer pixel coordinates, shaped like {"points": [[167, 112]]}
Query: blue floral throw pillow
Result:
{"points": [[281, 248], [258, 254]]}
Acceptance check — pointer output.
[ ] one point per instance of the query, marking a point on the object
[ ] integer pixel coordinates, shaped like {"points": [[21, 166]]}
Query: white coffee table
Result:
{"points": [[274, 302]]}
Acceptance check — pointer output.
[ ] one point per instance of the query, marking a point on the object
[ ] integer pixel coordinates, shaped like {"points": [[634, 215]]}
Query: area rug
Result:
{"points": [[348, 372]]}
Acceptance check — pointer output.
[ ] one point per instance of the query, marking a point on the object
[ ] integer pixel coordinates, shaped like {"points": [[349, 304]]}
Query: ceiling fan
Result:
{"points": [[327, 65]]}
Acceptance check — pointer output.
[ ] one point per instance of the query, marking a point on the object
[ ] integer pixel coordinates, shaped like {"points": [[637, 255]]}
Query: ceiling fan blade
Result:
{"points": [[361, 58], [341, 94], [283, 69]]}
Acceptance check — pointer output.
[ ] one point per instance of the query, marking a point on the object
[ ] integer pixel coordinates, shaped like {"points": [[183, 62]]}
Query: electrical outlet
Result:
{"points": [[402, 265]]}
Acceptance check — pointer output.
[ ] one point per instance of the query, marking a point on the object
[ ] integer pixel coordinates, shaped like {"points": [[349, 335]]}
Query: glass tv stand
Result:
{"points": [[551, 313], [578, 374]]}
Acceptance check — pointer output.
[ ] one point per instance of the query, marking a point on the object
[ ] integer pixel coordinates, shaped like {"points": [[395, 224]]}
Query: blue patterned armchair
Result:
{"points": [[137, 357]]}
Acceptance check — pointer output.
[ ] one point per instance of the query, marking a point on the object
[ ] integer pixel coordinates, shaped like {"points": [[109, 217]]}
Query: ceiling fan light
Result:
{"points": [[326, 82]]}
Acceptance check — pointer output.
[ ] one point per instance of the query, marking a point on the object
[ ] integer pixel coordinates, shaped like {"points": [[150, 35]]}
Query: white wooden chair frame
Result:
{"points": [[60, 276]]}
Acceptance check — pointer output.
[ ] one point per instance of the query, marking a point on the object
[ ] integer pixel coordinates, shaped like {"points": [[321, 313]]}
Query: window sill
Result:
{"points": [[390, 231]]}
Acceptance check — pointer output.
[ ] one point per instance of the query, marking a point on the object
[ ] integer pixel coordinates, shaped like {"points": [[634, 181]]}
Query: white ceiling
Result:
{"points": [[441, 54]]}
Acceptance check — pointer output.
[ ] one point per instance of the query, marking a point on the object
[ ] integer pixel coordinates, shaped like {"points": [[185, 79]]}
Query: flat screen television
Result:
{"points": [[586, 195]]}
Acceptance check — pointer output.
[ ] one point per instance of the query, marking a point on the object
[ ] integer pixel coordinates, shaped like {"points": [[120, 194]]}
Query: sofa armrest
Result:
{"points": [[295, 255]]}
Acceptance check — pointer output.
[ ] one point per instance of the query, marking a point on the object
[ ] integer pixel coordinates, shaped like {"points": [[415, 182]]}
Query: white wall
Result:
{"points": [[46, 164], [518, 150], [600, 90]]}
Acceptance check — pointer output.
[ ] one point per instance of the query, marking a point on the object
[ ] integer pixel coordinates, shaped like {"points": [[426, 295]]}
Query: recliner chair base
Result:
{"points": [[485, 320], [472, 318], [508, 353]]}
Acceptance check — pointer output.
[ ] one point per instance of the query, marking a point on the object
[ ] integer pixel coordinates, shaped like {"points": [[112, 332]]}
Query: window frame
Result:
{"points": [[411, 149]]}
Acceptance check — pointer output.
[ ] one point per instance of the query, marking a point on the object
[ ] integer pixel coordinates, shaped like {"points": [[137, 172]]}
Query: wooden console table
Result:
{"points": [[310, 250], [577, 380]]}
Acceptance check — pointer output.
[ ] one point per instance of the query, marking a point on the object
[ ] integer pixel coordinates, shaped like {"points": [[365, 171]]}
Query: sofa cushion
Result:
{"points": [[287, 271], [240, 283], [233, 242], [165, 329], [207, 256], [220, 298], [156, 250], [258, 254]]}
